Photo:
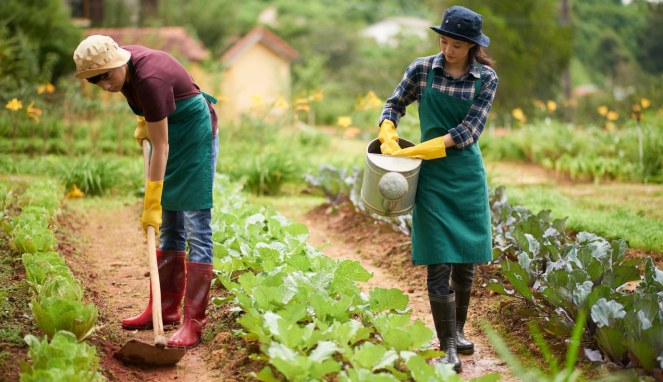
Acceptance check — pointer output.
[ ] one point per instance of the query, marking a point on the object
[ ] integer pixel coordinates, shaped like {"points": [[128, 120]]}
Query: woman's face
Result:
{"points": [[113, 80], [455, 51]]}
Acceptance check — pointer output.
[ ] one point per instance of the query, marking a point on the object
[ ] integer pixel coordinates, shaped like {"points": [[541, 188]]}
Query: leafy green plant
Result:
{"points": [[92, 176], [55, 313], [39, 266], [30, 239], [305, 310], [62, 359], [568, 374], [561, 278], [267, 172]]}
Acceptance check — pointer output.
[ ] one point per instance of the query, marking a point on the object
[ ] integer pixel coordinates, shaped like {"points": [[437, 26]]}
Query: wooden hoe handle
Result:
{"points": [[157, 321]]}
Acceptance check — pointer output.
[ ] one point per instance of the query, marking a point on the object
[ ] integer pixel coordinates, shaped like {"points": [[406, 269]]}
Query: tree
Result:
{"points": [[532, 47], [38, 41], [649, 52]]}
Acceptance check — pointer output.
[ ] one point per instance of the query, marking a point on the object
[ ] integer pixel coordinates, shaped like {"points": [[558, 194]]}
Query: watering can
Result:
{"points": [[389, 186]]}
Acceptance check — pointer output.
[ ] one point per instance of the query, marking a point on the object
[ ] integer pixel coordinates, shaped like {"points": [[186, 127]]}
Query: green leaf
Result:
{"points": [[606, 313], [498, 287], [519, 278], [367, 355], [352, 270], [381, 299], [323, 351], [350, 332], [398, 333]]}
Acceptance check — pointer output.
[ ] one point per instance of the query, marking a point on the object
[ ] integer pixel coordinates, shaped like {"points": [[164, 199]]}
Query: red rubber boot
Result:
{"points": [[198, 282], [171, 277]]}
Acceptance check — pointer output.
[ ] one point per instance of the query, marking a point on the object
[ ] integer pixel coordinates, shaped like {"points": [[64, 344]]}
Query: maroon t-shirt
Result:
{"points": [[157, 81]]}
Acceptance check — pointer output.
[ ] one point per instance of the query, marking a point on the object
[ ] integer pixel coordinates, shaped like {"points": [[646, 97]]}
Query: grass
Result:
{"points": [[293, 207], [614, 211]]}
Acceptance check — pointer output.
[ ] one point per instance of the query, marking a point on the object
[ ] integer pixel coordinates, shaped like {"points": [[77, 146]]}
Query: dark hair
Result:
{"points": [[481, 56], [98, 77]]}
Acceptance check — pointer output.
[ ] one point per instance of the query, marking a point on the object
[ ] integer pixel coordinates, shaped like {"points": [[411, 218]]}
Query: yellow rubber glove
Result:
{"points": [[152, 206], [141, 131], [388, 137], [431, 149]]}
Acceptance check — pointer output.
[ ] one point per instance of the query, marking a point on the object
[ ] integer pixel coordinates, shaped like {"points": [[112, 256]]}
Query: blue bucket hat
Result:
{"points": [[463, 24]]}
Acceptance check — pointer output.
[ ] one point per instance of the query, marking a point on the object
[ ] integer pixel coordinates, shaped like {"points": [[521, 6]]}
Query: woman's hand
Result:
{"points": [[388, 137]]}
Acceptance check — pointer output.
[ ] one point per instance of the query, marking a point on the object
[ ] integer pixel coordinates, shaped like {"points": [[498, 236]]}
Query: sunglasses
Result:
{"points": [[99, 77]]}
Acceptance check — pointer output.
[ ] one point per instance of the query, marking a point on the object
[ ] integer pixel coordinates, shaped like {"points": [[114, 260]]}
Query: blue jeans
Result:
{"points": [[179, 228]]}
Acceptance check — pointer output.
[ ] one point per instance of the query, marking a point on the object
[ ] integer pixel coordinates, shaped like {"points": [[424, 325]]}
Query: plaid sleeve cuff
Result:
{"points": [[462, 137]]}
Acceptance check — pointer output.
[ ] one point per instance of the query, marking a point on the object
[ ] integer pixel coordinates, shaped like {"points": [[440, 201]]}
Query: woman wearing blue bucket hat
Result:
{"points": [[451, 229]]}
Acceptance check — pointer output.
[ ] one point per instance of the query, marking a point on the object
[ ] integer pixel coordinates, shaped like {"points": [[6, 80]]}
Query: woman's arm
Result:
{"points": [[469, 130], [158, 134], [406, 92]]}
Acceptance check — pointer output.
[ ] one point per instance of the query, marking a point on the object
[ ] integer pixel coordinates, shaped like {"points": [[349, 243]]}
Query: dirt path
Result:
{"points": [[108, 256], [107, 253], [370, 244]]}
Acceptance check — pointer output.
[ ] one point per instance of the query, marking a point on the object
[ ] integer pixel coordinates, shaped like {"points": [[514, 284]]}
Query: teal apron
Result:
{"points": [[451, 216], [189, 174]]}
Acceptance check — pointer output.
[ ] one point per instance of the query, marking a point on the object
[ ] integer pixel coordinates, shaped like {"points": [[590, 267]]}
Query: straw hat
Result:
{"points": [[98, 54]]}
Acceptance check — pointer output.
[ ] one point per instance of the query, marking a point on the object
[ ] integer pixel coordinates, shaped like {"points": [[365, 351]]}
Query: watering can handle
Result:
{"points": [[157, 320]]}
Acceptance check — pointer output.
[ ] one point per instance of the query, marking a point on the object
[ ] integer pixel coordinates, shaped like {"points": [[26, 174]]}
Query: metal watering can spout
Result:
{"points": [[390, 183]]}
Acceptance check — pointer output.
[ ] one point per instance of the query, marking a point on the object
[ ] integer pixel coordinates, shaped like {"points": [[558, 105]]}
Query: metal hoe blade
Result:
{"points": [[136, 352]]}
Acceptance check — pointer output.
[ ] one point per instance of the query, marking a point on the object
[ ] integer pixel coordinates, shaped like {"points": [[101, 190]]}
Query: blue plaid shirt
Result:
{"points": [[413, 84]]}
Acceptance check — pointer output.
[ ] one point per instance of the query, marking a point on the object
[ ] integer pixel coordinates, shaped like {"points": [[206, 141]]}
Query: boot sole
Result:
{"points": [[465, 351]]}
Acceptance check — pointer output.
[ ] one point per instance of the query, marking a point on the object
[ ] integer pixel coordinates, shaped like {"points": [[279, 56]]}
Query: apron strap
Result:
{"points": [[208, 97]]}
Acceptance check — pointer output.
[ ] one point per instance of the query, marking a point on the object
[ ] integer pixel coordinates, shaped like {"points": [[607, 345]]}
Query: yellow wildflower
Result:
{"points": [[551, 106], [612, 116], [281, 103], [14, 105], [33, 112], [46, 88], [302, 107], [645, 103], [519, 115], [74, 193], [344, 122], [317, 95], [603, 110], [539, 104]]}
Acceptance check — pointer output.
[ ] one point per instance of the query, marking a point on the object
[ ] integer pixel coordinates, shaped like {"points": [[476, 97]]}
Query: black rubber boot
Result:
{"points": [[444, 316], [463, 345]]}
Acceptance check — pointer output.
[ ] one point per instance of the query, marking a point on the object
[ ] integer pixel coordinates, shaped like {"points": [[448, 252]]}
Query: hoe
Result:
{"points": [[138, 352]]}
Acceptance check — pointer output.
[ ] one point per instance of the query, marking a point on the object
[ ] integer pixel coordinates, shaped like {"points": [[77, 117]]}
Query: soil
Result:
{"points": [[386, 253], [106, 252]]}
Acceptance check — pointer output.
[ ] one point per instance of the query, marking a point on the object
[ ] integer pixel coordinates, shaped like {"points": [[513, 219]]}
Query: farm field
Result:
{"points": [[115, 281], [307, 284]]}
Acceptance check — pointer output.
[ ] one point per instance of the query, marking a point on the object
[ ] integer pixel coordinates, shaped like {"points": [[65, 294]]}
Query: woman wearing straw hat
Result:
{"points": [[451, 216], [181, 125]]}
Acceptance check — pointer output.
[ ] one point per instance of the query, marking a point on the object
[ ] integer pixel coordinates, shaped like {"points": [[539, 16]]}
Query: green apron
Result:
{"points": [[451, 215], [189, 174]]}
